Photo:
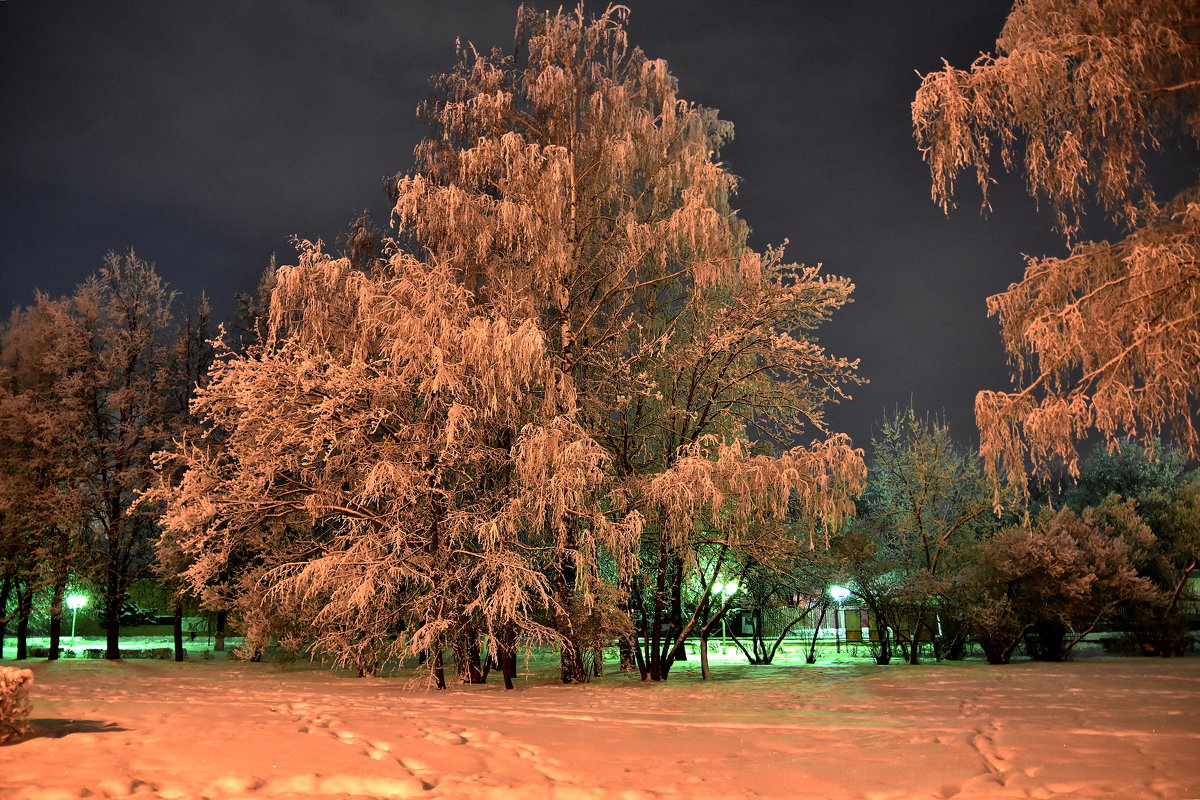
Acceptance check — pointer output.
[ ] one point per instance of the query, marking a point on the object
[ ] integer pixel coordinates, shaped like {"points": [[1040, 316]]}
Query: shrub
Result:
{"points": [[14, 702]]}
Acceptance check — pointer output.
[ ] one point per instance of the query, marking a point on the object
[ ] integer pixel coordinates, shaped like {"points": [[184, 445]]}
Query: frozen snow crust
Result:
{"points": [[1100, 727]]}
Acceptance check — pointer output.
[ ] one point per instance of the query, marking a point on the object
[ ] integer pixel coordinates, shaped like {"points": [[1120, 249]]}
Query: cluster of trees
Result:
{"points": [[932, 563], [92, 386], [561, 404], [565, 388]]}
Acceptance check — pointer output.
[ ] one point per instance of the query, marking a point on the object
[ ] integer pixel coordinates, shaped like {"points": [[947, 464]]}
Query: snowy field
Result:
{"points": [[1099, 727]]}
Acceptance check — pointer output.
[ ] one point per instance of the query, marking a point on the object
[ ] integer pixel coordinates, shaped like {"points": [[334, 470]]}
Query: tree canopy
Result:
{"points": [[1107, 338]]}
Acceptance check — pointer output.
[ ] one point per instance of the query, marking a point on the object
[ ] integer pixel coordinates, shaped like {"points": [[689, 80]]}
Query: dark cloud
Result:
{"points": [[204, 135]]}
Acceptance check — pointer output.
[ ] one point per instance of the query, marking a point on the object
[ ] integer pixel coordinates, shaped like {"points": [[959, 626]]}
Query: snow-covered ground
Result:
{"points": [[843, 728]]}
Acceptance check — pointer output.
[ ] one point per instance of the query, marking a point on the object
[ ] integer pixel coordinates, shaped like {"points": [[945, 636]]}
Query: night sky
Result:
{"points": [[205, 134]]}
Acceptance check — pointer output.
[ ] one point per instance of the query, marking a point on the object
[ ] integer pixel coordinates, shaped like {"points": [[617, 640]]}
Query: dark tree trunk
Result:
{"points": [[467, 659], [956, 638], [914, 653], [439, 668], [998, 651], [508, 670], [5, 589], [506, 655], [572, 663], [641, 634], [811, 658], [177, 628], [680, 652], [758, 652], [654, 645], [903, 640], [219, 634], [885, 645], [1046, 642], [114, 578], [572, 670], [998, 647], [56, 608], [626, 650], [627, 642], [114, 596], [24, 610], [878, 623], [490, 660], [956, 647]]}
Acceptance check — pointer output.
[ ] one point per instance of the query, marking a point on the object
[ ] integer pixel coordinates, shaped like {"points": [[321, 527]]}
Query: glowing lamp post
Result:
{"points": [[839, 593], [75, 602], [726, 590]]}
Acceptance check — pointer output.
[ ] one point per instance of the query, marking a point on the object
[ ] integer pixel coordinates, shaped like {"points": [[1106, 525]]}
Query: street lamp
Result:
{"points": [[75, 602], [839, 593], [726, 590]]}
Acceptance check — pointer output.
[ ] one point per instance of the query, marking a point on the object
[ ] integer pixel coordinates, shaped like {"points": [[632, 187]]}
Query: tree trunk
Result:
{"points": [[704, 653], [56, 607], [114, 595], [114, 580], [956, 638], [467, 660], [219, 634], [24, 609], [762, 654], [1046, 641], [439, 669], [5, 589], [506, 655], [680, 652], [572, 669], [885, 645], [178, 628], [812, 647], [627, 641], [654, 645], [903, 642], [914, 653], [625, 648], [572, 663], [490, 659], [783, 635]]}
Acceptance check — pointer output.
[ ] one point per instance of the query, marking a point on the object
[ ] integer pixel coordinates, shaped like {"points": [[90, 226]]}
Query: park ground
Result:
{"points": [[1102, 726]]}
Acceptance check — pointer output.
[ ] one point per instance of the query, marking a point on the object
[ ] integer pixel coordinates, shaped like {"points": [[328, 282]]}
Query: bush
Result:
{"points": [[14, 702]]}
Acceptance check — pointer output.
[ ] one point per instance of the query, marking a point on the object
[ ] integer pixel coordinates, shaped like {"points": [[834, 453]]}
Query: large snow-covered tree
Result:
{"points": [[391, 459], [569, 358], [110, 412], [1106, 338], [569, 184]]}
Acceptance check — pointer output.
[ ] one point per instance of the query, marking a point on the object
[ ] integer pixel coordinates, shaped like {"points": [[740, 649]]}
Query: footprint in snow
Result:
{"points": [[316, 722]]}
